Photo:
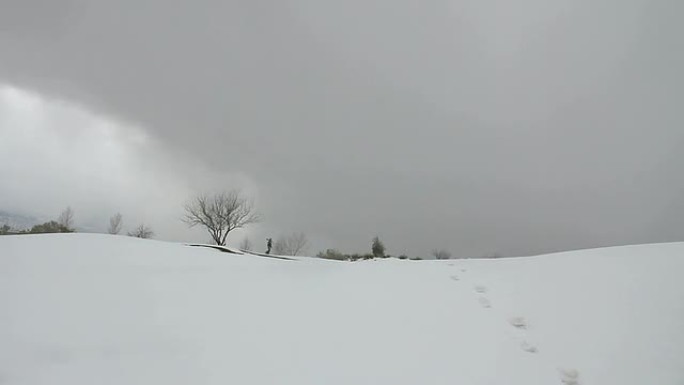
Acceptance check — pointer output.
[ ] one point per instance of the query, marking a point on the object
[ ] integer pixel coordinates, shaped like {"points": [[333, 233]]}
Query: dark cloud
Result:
{"points": [[485, 127]]}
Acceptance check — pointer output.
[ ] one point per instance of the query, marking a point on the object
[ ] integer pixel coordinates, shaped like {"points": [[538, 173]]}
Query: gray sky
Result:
{"points": [[478, 126]]}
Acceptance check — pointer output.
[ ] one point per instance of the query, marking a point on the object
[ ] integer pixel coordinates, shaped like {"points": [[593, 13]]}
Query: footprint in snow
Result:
{"points": [[484, 302], [455, 277], [463, 270], [527, 347], [480, 289], [450, 264], [569, 376], [518, 322]]}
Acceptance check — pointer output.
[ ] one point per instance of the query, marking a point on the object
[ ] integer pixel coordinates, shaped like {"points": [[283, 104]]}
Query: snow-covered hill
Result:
{"points": [[96, 309]]}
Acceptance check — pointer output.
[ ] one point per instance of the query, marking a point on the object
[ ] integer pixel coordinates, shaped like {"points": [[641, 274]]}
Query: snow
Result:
{"points": [[99, 309]]}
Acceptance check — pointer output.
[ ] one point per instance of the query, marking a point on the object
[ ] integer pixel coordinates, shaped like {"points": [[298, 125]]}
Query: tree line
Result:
{"points": [[377, 250], [219, 214], [65, 224]]}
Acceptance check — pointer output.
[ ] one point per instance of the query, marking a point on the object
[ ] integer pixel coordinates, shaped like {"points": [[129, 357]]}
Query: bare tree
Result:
{"points": [[294, 244], [141, 231], [246, 244], [66, 218], [115, 224], [441, 254], [280, 247], [220, 214]]}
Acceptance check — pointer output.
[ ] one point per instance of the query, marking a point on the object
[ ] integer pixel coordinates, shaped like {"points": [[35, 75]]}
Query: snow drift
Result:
{"points": [[97, 309]]}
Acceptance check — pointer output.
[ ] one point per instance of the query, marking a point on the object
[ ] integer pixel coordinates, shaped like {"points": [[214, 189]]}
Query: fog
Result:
{"points": [[497, 127]]}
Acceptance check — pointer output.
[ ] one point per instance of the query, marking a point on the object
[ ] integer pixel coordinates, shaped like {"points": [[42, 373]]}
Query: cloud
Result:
{"points": [[56, 154], [482, 127]]}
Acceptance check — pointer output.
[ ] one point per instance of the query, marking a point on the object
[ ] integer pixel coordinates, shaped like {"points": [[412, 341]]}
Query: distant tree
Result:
{"points": [[338, 256], [5, 229], [377, 248], [115, 224], [332, 254], [441, 254], [50, 227], [66, 218], [220, 214], [142, 231], [292, 245], [279, 246], [246, 244]]}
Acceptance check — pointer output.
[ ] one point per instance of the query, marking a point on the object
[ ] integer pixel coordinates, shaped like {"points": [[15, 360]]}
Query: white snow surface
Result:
{"points": [[100, 309]]}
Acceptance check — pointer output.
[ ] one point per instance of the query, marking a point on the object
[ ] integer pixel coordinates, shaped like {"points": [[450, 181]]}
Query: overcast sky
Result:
{"points": [[507, 127]]}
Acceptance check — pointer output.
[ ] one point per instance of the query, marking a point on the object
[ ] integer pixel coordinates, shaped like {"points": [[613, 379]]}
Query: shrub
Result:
{"points": [[332, 254], [441, 254], [50, 227], [378, 248], [142, 231]]}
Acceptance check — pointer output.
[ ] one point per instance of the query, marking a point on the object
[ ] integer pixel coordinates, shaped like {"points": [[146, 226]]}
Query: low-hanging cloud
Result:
{"points": [[483, 127], [56, 155]]}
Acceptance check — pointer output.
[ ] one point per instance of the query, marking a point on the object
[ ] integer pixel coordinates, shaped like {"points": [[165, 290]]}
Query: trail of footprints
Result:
{"points": [[567, 376]]}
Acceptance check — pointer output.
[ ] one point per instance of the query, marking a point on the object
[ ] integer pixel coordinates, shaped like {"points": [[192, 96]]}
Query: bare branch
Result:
{"points": [[141, 231], [220, 214], [441, 254], [246, 244], [293, 245], [115, 224], [66, 218]]}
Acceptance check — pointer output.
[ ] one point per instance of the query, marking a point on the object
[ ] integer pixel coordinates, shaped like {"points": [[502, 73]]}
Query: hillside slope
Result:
{"points": [[97, 309]]}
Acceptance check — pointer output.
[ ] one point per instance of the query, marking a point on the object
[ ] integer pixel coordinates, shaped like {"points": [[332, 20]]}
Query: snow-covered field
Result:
{"points": [[97, 309]]}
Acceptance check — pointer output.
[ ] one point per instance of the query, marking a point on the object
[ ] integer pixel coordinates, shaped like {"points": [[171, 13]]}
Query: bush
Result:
{"points": [[50, 227], [333, 254], [142, 231], [441, 254]]}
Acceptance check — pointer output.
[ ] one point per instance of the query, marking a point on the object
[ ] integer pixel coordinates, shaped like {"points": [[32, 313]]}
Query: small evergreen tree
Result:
{"points": [[378, 248], [5, 229]]}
